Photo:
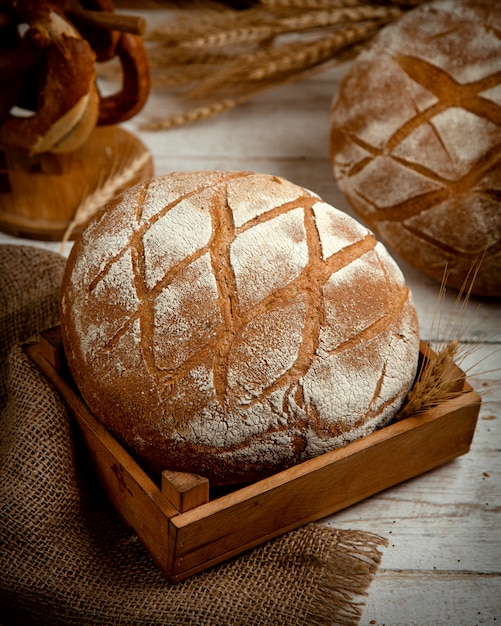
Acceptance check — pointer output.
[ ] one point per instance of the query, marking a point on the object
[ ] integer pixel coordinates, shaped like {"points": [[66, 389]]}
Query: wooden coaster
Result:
{"points": [[52, 196]]}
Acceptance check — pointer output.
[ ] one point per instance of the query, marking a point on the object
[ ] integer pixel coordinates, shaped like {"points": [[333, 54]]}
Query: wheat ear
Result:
{"points": [[317, 19], [185, 26], [124, 170], [439, 378], [277, 63], [310, 4], [300, 56], [433, 384], [211, 29], [194, 115]]}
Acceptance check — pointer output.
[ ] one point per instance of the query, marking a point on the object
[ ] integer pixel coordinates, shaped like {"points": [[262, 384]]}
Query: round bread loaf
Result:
{"points": [[416, 140], [234, 324]]}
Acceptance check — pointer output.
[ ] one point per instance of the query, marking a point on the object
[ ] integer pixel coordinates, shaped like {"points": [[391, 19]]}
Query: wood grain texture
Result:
{"points": [[443, 561], [185, 491], [186, 533]]}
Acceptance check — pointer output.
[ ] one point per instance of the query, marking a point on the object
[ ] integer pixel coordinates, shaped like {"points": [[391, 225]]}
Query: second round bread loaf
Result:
{"points": [[233, 324], [415, 141]]}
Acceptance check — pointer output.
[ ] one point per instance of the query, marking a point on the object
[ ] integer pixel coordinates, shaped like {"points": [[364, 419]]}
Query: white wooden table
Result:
{"points": [[443, 561]]}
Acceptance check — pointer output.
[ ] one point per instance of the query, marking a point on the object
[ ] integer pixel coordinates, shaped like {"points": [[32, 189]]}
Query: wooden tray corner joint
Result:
{"points": [[186, 531]]}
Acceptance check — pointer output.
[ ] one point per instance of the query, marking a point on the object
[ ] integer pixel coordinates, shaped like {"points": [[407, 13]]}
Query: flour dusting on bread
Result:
{"points": [[233, 324]]}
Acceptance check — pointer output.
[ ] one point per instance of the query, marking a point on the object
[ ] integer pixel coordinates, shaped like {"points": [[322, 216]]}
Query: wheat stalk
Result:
{"points": [[223, 58], [125, 168], [310, 4], [433, 384], [194, 115], [438, 378], [317, 19], [301, 56]]}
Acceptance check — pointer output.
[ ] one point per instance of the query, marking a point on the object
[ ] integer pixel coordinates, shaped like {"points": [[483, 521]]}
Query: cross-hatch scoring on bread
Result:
{"points": [[232, 324], [415, 140]]}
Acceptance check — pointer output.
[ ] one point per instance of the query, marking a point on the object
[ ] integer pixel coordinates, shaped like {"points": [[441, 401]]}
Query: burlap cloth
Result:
{"points": [[65, 556]]}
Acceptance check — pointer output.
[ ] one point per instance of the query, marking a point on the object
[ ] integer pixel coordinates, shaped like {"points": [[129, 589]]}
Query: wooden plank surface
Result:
{"points": [[443, 562]]}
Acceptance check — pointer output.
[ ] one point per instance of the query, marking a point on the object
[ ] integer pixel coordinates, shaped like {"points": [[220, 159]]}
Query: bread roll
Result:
{"points": [[67, 100], [234, 324], [416, 140]]}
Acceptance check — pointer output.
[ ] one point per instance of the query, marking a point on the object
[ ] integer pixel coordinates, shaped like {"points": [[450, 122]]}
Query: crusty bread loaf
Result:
{"points": [[416, 140], [233, 324]]}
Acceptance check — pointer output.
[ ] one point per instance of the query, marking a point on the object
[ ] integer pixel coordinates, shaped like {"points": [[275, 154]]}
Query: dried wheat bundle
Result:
{"points": [[439, 379], [280, 63], [434, 383], [258, 25], [217, 59]]}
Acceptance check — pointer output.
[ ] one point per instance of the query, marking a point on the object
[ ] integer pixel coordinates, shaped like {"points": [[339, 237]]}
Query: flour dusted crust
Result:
{"points": [[416, 139], [233, 324]]}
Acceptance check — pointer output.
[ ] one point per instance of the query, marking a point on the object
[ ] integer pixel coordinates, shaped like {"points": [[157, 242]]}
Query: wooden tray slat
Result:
{"points": [[184, 543], [132, 493], [324, 485]]}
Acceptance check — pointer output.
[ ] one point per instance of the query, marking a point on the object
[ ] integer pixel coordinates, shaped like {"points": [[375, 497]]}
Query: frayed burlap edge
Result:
{"points": [[347, 574]]}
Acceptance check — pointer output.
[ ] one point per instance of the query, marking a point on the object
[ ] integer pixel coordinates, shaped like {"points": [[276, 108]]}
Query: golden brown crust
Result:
{"points": [[416, 135], [233, 324], [136, 82]]}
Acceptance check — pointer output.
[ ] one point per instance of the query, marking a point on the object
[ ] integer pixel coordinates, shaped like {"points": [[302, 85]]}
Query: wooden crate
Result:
{"points": [[187, 529]]}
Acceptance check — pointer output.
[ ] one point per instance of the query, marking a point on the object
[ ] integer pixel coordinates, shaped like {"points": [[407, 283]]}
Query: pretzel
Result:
{"points": [[66, 96], [136, 82], [51, 71]]}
